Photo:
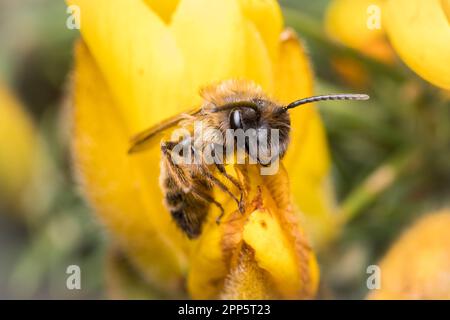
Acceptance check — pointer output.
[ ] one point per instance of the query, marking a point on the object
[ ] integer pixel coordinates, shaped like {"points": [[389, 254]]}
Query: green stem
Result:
{"points": [[375, 184]]}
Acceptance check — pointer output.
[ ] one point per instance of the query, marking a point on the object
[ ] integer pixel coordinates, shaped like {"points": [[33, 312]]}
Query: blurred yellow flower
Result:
{"points": [[420, 33], [358, 25], [418, 265], [18, 144], [142, 61], [27, 174], [418, 30]]}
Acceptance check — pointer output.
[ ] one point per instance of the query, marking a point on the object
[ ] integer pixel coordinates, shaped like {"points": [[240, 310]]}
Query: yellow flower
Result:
{"points": [[418, 265], [358, 24], [18, 146], [419, 30], [142, 61], [25, 165]]}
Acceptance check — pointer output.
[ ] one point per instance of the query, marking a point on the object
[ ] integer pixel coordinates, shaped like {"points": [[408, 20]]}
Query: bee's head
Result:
{"points": [[261, 127]]}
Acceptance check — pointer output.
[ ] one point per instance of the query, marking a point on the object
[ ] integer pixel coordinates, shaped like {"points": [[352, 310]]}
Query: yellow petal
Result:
{"points": [[357, 24], [18, 148], [164, 8], [268, 20], [225, 45], [138, 56], [293, 72], [274, 252], [258, 64], [263, 233], [207, 268], [420, 33], [346, 21], [277, 200], [208, 34], [115, 185], [418, 264], [307, 159]]}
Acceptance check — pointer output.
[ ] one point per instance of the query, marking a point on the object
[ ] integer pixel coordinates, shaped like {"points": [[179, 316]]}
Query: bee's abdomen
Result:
{"points": [[188, 212]]}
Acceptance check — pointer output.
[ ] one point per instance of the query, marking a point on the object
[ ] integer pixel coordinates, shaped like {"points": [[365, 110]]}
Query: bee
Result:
{"points": [[229, 105]]}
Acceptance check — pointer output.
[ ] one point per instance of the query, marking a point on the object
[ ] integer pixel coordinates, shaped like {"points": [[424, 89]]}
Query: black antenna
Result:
{"points": [[345, 96]]}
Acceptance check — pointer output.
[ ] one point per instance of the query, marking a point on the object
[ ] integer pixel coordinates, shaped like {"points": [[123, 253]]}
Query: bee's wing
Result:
{"points": [[147, 138]]}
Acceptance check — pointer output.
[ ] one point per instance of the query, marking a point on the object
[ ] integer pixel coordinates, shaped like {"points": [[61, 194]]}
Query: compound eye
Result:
{"points": [[236, 120]]}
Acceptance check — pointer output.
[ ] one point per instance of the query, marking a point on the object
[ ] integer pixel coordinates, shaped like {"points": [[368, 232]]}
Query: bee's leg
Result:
{"points": [[236, 183], [222, 187], [207, 198], [178, 173], [182, 181], [233, 180]]}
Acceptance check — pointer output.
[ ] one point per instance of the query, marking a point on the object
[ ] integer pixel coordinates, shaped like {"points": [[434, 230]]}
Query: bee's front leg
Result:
{"points": [[177, 172], [220, 166], [207, 198], [236, 183], [214, 181]]}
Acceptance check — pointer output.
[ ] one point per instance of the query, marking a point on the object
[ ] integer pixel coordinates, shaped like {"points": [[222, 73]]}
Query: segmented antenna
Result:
{"points": [[344, 96]]}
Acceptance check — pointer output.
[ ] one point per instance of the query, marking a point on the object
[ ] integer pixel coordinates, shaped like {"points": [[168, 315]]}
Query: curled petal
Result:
{"points": [[420, 33]]}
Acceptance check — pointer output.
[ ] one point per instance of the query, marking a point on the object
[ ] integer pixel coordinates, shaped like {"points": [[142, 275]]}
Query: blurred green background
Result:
{"points": [[404, 127]]}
